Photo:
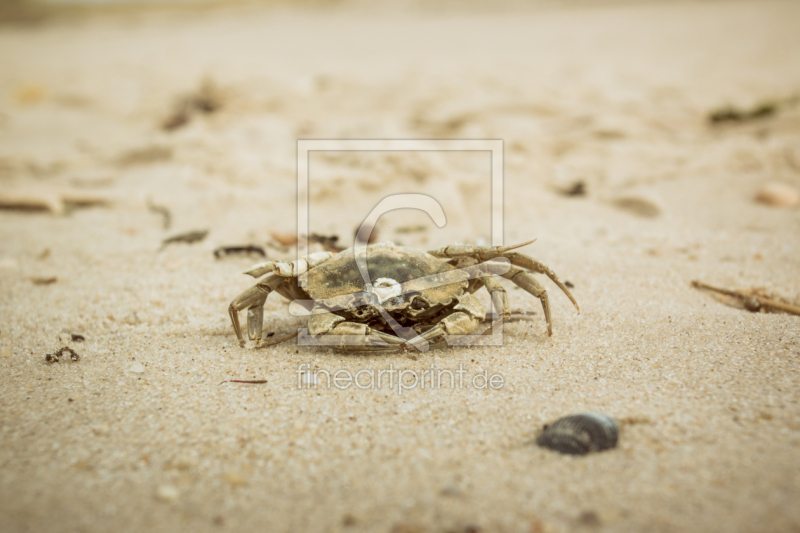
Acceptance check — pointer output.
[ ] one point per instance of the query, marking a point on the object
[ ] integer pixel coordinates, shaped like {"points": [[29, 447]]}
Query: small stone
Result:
{"points": [[580, 434], [101, 429], [577, 188], [185, 462], [167, 493], [450, 490], [235, 479], [82, 465], [589, 518], [136, 367], [778, 194], [640, 207]]}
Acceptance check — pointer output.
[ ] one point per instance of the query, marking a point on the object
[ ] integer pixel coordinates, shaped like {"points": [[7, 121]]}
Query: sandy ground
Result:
{"points": [[140, 435]]}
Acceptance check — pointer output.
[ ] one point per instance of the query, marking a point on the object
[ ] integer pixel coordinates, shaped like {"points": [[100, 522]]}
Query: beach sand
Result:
{"points": [[142, 434]]}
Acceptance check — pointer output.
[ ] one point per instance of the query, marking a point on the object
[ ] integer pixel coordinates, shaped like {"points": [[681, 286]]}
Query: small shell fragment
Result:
{"points": [[778, 194], [580, 434]]}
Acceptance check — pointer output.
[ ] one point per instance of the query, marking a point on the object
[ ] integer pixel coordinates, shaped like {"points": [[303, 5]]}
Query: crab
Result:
{"points": [[417, 298]]}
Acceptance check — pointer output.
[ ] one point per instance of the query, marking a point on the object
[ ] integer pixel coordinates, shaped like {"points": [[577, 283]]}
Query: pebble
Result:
{"points": [[580, 434], [185, 461], [235, 479], [167, 493], [778, 194], [450, 490], [640, 207], [101, 429], [589, 518], [136, 367]]}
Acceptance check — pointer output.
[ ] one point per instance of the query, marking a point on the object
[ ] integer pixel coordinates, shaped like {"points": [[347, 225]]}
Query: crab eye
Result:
{"points": [[419, 303]]}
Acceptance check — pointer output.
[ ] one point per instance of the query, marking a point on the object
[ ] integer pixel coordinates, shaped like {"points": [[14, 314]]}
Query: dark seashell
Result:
{"points": [[580, 434]]}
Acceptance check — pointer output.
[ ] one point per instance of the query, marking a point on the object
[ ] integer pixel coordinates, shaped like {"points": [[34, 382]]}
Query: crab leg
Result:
{"points": [[468, 314], [525, 261], [486, 253], [253, 300], [483, 253], [362, 343], [475, 285], [322, 322], [255, 322], [499, 297], [456, 325], [289, 269], [527, 282]]}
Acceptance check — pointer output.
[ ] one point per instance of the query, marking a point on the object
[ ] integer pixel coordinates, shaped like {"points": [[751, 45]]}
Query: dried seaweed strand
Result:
{"points": [[745, 297], [190, 237], [55, 357], [250, 248]]}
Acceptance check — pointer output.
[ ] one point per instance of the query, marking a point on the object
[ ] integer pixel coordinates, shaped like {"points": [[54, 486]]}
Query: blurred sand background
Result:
{"points": [[140, 435]]}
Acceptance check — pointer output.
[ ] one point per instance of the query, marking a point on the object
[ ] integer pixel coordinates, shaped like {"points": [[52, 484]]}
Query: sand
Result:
{"points": [[142, 435]]}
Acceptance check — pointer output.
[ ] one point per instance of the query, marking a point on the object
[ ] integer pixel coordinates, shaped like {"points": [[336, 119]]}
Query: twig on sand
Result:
{"points": [[253, 381], [762, 110], [751, 302]]}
